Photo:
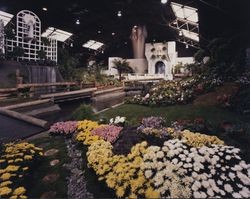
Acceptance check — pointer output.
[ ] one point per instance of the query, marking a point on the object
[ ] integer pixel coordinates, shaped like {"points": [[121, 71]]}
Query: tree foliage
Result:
{"points": [[122, 66]]}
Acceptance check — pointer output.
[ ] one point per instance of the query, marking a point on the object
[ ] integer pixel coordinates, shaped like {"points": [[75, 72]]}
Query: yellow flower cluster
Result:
{"points": [[200, 140], [84, 128], [14, 165], [194, 139], [121, 173]]}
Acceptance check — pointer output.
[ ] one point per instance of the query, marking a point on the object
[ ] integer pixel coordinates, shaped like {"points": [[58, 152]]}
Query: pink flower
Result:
{"points": [[109, 133]]}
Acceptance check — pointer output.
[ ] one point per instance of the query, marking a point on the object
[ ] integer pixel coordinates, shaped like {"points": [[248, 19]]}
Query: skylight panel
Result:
{"points": [[59, 35], [185, 12], [92, 44], [6, 17], [190, 35]]}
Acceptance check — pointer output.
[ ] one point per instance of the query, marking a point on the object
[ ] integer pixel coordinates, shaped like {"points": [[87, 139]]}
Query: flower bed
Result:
{"points": [[63, 128], [179, 171], [16, 162], [176, 92], [184, 165]]}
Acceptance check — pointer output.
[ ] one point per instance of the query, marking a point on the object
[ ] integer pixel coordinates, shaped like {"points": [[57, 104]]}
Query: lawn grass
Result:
{"points": [[214, 115], [36, 186]]}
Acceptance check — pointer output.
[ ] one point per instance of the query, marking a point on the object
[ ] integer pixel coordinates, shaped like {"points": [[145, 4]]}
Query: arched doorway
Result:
{"points": [[160, 67]]}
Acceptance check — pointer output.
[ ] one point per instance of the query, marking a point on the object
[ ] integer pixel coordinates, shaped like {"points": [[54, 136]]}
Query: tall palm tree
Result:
{"points": [[122, 66]]}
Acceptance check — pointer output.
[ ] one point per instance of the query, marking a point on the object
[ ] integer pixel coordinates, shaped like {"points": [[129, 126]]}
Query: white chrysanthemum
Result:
{"points": [[194, 187], [240, 185], [222, 193], [175, 161], [231, 175], [194, 174], [205, 184], [245, 193], [191, 155], [165, 149], [236, 195], [159, 154], [219, 182], [238, 168], [220, 154], [228, 188], [197, 184], [170, 154], [243, 178], [228, 157], [243, 164], [197, 194], [203, 195], [148, 173], [210, 192]]}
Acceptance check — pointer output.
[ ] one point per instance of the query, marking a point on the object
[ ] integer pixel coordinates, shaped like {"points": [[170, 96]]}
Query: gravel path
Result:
{"points": [[77, 188]]}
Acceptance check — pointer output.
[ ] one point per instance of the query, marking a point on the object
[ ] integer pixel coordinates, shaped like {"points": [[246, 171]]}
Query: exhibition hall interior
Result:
{"points": [[138, 99]]}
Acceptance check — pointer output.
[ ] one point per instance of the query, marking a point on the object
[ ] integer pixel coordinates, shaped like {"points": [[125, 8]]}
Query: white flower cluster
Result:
{"points": [[215, 171], [117, 120]]}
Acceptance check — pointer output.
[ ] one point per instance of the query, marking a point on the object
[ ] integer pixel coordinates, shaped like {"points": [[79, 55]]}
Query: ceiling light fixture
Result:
{"points": [[45, 9], [77, 21], [119, 13], [164, 1]]}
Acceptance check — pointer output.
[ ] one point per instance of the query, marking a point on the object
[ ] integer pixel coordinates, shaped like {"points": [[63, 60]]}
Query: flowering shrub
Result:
{"points": [[85, 128], [109, 133], [121, 173], [177, 170], [15, 163], [176, 92], [63, 128], [117, 120]]}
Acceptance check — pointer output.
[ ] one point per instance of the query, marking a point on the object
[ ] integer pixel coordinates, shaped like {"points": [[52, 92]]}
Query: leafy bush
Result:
{"points": [[83, 112]]}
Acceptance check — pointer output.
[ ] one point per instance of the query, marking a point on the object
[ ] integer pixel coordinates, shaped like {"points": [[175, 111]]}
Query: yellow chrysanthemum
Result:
{"points": [[5, 183], [5, 176], [4, 191], [19, 191]]}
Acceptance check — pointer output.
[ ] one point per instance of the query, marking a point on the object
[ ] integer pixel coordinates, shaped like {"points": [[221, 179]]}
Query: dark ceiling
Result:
{"points": [[217, 18]]}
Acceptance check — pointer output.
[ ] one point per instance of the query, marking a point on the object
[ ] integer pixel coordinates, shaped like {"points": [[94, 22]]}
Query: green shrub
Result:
{"points": [[83, 112]]}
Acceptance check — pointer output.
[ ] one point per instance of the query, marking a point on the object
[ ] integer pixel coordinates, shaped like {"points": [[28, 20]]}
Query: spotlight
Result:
{"points": [[187, 46], [71, 45], [180, 33], [164, 1], [45, 9], [77, 21], [99, 32], [113, 33], [135, 26], [119, 13]]}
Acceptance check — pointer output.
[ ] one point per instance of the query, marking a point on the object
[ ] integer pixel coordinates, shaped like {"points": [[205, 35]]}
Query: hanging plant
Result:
{"points": [[152, 49], [153, 57], [164, 57], [164, 48]]}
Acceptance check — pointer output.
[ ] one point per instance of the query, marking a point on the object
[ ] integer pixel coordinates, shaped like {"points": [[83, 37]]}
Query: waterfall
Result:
{"points": [[42, 74]]}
